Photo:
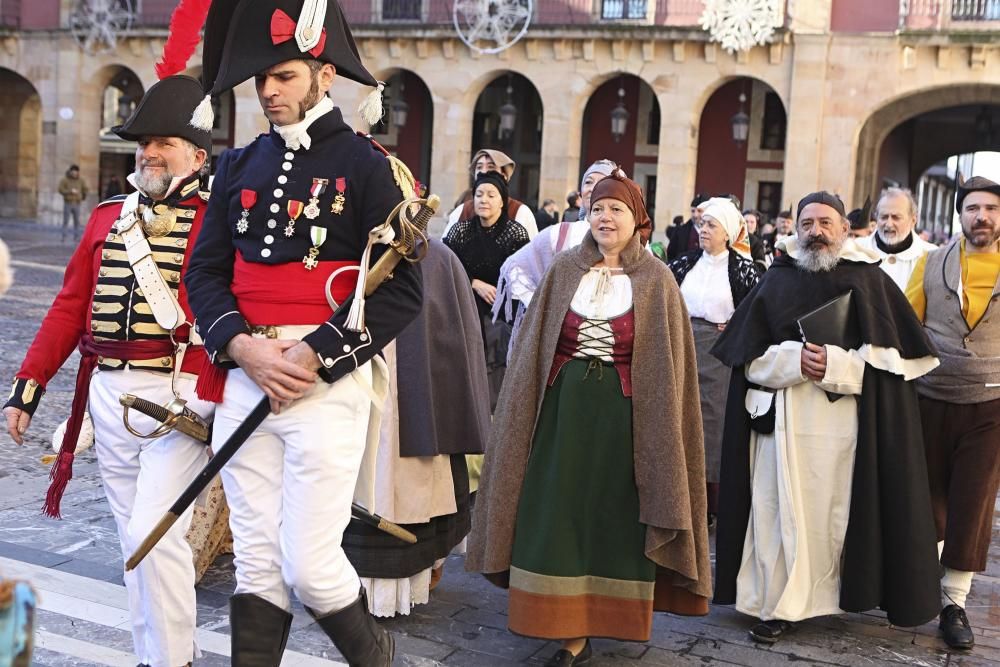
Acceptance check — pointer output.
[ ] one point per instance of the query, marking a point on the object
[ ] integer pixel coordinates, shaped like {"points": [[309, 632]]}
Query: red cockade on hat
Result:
{"points": [[283, 29]]}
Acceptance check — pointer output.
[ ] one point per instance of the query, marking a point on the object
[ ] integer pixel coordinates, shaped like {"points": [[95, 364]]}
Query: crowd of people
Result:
{"points": [[574, 406]]}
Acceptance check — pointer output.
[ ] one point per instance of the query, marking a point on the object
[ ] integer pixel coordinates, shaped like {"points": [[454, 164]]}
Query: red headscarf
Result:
{"points": [[617, 186]]}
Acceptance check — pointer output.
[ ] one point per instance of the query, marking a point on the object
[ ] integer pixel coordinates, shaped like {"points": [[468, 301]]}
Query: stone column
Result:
{"points": [[804, 146], [677, 161], [562, 133]]}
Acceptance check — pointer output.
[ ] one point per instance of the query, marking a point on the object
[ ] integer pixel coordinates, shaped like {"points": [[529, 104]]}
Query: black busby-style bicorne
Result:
{"points": [[165, 111], [245, 37]]}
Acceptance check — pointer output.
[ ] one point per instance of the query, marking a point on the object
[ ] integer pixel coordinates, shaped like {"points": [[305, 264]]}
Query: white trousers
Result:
{"points": [[142, 479], [290, 488]]}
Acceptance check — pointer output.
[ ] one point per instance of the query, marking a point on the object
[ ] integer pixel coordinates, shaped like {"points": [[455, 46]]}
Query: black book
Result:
{"points": [[833, 323]]}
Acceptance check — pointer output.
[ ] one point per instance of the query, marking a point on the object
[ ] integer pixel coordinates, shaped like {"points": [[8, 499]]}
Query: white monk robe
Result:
{"points": [[802, 474]]}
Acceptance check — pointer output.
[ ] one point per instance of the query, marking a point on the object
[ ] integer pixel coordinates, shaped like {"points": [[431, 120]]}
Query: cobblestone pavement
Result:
{"points": [[76, 564]]}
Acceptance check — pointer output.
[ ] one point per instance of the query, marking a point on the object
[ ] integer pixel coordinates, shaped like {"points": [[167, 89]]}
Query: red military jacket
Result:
{"points": [[100, 295]]}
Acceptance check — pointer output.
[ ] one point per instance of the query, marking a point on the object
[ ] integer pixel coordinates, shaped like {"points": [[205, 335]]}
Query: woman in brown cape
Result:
{"points": [[592, 501]]}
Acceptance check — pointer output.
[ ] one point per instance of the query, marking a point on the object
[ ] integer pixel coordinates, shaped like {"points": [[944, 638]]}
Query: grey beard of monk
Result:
{"points": [[819, 254]]}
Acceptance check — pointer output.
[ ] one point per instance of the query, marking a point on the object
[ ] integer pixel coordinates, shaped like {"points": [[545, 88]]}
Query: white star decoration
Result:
{"points": [[490, 26], [740, 25]]}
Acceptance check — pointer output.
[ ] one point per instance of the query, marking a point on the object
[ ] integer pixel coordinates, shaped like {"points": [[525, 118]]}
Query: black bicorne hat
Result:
{"points": [[165, 111], [974, 184], [244, 37]]}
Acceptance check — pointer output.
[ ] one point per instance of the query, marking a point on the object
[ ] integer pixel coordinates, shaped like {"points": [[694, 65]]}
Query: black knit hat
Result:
{"points": [[974, 184], [165, 111], [245, 37], [821, 197], [497, 180]]}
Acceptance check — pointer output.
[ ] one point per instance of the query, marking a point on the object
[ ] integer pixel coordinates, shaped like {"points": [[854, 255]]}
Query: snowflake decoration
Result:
{"points": [[740, 25], [500, 22], [96, 23]]}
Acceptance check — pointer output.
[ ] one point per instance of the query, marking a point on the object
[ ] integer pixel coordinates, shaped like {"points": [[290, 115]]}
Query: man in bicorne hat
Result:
{"points": [[488, 159], [284, 235], [954, 292], [124, 305], [824, 505]]}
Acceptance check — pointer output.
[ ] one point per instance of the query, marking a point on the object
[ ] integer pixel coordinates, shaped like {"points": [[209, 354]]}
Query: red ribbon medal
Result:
{"points": [[338, 202], [294, 208], [247, 199]]}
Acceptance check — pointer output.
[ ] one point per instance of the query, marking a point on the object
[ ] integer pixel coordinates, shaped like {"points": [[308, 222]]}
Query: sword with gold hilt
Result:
{"points": [[402, 246]]}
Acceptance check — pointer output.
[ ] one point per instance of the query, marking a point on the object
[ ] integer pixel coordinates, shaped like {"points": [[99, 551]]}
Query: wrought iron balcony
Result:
{"points": [[950, 15]]}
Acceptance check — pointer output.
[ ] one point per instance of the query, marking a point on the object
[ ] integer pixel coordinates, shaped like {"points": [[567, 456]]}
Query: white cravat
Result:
{"points": [[296, 135]]}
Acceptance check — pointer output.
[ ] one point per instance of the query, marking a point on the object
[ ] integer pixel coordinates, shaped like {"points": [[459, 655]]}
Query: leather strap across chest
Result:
{"points": [[161, 300]]}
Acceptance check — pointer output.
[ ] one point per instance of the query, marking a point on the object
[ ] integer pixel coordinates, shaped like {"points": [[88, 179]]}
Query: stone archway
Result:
{"points": [[752, 169], [20, 145], [120, 95], [406, 129], [636, 145], [900, 140], [523, 143]]}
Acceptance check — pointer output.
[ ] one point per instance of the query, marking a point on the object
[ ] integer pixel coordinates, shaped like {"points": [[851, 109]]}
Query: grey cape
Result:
{"points": [[443, 406]]}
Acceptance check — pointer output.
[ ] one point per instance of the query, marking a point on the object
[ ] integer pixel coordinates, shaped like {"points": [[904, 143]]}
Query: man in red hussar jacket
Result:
{"points": [[124, 306]]}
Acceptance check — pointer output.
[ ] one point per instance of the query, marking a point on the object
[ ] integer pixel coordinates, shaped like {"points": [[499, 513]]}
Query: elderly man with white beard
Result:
{"points": [[824, 507], [895, 241]]}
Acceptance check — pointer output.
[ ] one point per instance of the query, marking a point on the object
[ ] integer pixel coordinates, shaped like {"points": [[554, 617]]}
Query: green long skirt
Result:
{"points": [[578, 567]]}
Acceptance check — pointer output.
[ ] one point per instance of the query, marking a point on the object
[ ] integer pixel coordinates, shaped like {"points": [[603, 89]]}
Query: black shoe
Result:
{"points": [[564, 658], [259, 631], [357, 636], [955, 626], [768, 632]]}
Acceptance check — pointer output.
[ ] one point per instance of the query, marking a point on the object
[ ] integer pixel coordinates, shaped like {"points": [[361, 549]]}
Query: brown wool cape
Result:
{"points": [[669, 457]]}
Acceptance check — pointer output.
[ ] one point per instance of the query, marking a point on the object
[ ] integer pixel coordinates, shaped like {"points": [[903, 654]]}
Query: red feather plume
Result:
{"points": [[185, 32]]}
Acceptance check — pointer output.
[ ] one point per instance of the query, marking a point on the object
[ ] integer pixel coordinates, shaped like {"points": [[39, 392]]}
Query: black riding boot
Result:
{"points": [[259, 631], [357, 636]]}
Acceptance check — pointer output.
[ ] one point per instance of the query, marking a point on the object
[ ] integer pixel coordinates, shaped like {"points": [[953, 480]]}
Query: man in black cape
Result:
{"points": [[827, 508]]}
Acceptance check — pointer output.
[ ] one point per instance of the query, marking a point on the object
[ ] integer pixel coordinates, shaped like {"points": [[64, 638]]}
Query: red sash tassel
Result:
{"points": [[90, 349]]}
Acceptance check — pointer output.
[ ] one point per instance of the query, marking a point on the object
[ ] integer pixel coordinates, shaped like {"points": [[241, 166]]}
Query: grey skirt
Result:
{"points": [[713, 384]]}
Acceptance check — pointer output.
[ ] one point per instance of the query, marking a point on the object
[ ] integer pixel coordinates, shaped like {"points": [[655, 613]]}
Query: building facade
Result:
{"points": [[850, 96]]}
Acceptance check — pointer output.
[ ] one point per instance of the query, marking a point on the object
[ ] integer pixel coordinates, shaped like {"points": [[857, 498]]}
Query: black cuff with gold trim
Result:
{"points": [[25, 395]]}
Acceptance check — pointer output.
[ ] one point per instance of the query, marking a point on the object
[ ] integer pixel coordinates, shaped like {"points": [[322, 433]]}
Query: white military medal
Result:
{"points": [[317, 190], [247, 199], [317, 235]]}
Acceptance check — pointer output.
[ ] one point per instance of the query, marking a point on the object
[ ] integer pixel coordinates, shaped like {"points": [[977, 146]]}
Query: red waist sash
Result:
{"points": [[288, 293], [90, 349]]}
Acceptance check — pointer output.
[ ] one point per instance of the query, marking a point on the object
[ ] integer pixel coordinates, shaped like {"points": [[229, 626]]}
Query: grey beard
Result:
{"points": [[155, 187], [815, 261]]}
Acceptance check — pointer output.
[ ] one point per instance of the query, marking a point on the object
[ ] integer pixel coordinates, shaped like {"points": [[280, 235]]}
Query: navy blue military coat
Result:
{"points": [[227, 258]]}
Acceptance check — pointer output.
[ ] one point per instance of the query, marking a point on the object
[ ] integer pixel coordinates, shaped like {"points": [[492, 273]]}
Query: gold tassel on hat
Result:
{"points": [[371, 110], [203, 117]]}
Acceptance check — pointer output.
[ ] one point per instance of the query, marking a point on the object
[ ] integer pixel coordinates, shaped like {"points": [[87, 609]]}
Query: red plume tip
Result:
{"points": [[186, 24]]}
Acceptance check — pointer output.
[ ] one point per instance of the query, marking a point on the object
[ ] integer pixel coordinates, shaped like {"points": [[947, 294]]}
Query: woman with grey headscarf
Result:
{"points": [[522, 273], [714, 279]]}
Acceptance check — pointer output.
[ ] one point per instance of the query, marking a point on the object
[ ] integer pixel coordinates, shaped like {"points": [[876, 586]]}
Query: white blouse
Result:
{"points": [[603, 294], [706, 289]]}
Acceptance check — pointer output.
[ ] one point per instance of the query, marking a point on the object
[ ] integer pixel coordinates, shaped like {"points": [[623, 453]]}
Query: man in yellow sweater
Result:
{"points": [[954, 291]]}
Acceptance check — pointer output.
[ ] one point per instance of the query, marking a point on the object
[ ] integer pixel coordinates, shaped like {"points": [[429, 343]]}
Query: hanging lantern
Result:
{"points": [[740, 123], [619, 117], [508, 116]]}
